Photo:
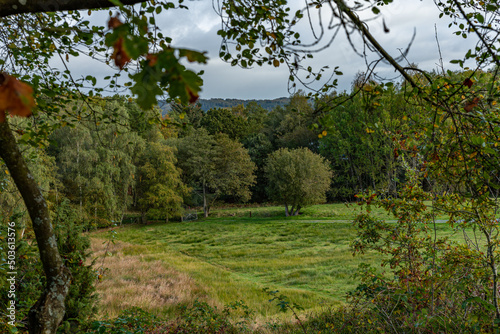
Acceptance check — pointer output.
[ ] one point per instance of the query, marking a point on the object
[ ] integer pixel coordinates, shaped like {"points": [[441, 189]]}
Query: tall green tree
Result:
{"points": [[97, 164], [295, 128], [220, 120], [234, 169], [215, 166], [160, 189], [359, 141], [259, 146]]}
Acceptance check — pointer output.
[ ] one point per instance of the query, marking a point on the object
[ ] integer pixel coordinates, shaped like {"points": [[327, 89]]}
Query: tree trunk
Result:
{"points": [[286, 210], [296, 213], [48, 312], [205, 207]]}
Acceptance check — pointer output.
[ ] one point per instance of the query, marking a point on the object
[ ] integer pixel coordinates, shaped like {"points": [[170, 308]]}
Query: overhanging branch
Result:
{"points": [[12, 7]]}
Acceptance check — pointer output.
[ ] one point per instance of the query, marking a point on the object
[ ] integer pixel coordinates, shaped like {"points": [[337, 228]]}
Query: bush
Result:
{"points": [[198, 318], [432, 285], [130, 321]]}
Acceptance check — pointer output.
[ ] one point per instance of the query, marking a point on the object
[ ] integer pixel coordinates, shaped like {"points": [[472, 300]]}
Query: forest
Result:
{"points": [[119, 217], [140, 165]]}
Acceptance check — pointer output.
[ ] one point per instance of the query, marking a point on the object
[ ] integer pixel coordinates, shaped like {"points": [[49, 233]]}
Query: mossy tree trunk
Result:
{"points": [[48, 312]]}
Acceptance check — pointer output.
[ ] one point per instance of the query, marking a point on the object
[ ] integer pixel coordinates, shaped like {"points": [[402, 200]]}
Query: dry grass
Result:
{"points": [[131, 280]]}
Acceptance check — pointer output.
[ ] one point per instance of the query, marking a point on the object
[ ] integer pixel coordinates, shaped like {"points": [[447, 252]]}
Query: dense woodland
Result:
{"points": [[109, 170]]}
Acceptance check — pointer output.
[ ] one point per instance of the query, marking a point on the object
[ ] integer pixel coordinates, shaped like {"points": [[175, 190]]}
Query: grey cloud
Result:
{"points": [[197, 27]]}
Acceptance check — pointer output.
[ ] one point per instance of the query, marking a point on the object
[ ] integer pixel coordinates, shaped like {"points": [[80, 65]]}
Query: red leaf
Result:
{"points": [[120, 55], [468, 82], [114, 22], [471, 104], [193, 97], [16, 97], [152, 59]]}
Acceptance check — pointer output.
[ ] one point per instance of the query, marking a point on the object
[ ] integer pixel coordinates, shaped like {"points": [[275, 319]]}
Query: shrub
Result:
{"points": [[432, 285], [197, 318]]}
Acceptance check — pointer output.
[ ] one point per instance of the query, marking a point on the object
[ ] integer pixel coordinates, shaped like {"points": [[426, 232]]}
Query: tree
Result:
{"points": [[359, 142], [215, 166], [259, 147], [159, 189], [234, 173], [220, 120], [97, 163], [297, 178], [295, 129]]}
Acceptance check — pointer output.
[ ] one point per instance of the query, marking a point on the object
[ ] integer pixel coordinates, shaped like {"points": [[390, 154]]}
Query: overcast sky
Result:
{"points": [[197, 27]]}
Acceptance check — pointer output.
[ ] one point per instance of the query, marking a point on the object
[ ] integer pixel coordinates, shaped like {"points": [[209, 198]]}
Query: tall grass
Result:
{"points": [[130, 281]]}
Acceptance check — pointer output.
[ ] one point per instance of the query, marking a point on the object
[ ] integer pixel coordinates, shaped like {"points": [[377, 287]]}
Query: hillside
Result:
{"points": [[229, 103]]}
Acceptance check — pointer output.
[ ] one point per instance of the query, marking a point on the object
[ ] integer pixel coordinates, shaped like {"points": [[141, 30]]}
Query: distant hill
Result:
{"points": [[229, 103]]}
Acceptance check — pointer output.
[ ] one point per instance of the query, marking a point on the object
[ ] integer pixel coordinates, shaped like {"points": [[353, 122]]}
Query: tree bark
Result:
{"points": [[48, 312], [205, 206]]}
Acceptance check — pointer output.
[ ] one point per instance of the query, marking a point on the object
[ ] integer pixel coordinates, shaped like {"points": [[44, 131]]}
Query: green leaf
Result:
{"points": [[480, 18]]}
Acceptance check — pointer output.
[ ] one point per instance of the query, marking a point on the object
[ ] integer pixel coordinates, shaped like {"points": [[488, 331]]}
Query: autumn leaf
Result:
{"points": [[471, 104], [468, 82], [114, 22], [276, 63], [16, 97], [193, 96], [152, 59], [120, 55]]}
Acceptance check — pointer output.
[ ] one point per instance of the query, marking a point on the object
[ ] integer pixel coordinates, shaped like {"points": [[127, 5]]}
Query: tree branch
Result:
{"points": [[12, 7], [366, 33]]}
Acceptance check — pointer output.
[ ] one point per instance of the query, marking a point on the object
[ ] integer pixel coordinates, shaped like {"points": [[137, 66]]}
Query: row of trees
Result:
{"points": [[106, 169], [111, 168]]}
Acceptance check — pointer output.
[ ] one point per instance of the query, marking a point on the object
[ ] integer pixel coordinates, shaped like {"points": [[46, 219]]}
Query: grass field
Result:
{"points": [[231, 257]]}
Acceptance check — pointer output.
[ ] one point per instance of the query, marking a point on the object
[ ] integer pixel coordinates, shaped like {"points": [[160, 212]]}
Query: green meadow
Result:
{"points": [[232, 257]]}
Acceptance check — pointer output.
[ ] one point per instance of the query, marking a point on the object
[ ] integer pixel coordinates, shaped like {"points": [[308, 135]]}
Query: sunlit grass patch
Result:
{"points": [[333, 211]]}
